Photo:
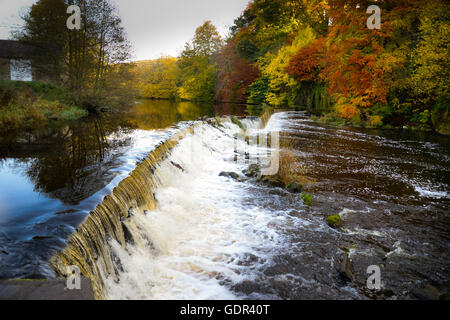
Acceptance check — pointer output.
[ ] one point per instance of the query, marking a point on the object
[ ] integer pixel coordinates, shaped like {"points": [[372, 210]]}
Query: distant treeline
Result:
{"points": [[321, 56]]}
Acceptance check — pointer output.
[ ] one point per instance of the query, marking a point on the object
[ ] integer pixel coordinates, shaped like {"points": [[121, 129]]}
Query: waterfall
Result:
{"points": [[88, 247], [103, 242]]}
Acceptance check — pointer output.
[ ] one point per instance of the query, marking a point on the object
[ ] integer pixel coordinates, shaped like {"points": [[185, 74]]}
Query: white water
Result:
{"points": [[195, 239]]}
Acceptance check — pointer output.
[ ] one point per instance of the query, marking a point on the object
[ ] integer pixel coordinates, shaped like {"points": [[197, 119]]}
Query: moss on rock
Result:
{"points": [[307, 199], [334, 221]]}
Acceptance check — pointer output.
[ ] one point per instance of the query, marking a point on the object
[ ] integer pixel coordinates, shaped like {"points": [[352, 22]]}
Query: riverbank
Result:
{"points": [[435, 121], [26, 106]]}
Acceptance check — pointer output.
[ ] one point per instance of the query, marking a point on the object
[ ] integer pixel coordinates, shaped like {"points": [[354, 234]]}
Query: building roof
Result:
{"points": [[11, 49]]}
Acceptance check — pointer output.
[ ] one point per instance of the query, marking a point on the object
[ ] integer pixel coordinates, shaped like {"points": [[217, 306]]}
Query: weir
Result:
{"points": [[176, 228], [265, 117], [88, 247]]}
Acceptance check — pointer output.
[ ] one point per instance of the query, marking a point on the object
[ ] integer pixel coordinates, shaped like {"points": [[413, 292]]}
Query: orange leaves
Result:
{"points": [[347, 111], [235, 75], [355, 64], [306, 63], [350, 59]]}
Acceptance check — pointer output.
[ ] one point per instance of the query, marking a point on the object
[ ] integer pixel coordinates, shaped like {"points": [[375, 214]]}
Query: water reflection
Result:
{"points": [[51, 178], [71, 162], [67, 164], [156, 114]]}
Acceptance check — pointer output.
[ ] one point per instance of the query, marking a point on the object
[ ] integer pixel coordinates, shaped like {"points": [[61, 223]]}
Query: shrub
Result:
{"points": [[23, 106], [375, 121]]}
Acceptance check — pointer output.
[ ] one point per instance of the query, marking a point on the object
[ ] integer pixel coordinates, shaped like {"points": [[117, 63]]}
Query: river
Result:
{"points": [[212, 237]]}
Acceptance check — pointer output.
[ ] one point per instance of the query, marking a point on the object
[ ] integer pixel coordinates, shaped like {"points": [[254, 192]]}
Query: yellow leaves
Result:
{"points": [[375, 121], [361, 101], [431, 58], [273, 66], [183, 94], [276, 99], [347, 111], [157, 78]]}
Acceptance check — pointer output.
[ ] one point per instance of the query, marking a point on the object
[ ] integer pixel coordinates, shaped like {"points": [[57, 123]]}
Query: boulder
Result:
{"points": [[252, 171], [232, 175], [272, 181], [295, 187], [346, 269]]}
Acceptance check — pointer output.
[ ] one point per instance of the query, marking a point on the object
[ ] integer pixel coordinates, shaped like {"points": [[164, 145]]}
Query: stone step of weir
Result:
{"points": [[44, 290]]}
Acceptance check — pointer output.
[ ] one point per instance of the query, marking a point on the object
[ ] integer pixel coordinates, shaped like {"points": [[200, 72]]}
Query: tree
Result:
{"points": [[197, 65], [158, 78], [284, 87], [235, 75], [84, 58], [431, 57], [44, 27], [207, 40], [356, 63]]}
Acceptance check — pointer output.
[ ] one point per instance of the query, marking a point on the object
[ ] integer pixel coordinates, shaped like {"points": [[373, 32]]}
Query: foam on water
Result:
{"points": [[189, 248]]}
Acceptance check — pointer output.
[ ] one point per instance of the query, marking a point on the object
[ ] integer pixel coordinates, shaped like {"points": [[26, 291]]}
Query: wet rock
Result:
{"points": [[252, 171], [127, 234], [334, 221], [428, 292], [248, 260], [346, 269], [272, 181], [295, 187], [41, 237], [237, 122], [176, 165], [247, 287], [353, 266], [65, 212], [217, 122], [232, 175]]}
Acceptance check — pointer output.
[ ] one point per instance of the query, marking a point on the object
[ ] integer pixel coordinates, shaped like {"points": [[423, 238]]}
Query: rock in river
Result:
{"points": [[295, 187], [232, 175]]}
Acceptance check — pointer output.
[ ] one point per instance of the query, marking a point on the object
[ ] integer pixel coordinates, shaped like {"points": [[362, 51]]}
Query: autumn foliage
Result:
{"points": [[235, 75], [321, 55], [307, 63]]}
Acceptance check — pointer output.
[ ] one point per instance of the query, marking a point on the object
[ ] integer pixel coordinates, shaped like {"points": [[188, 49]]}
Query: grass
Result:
{"points": [[290, 170], [32, 105], [46, 91]]}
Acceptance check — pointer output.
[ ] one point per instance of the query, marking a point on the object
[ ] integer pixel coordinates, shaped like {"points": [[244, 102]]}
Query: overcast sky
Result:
{"points": [[154, 27]]}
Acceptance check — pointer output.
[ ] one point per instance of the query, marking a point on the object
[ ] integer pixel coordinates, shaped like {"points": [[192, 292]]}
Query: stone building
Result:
{"points": [[23, 62]]}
